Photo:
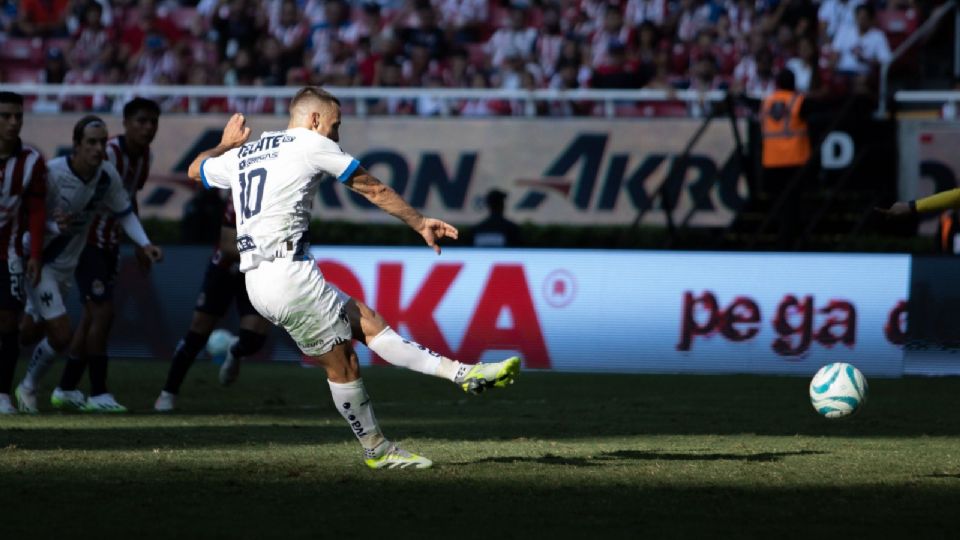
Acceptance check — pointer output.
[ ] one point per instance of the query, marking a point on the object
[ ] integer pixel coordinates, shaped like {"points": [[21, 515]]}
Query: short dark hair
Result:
{"points": [[786, 80], [312, 92], [868, 8], [138, 104], [11, 97], [82, 125]]}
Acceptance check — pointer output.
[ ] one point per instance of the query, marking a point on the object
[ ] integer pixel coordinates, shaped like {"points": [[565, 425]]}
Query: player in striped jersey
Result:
{"points": [[24, 185], [77, 186], [223, 283], [97, 268]]}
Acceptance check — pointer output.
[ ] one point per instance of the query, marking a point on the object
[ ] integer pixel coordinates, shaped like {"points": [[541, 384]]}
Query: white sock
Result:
{"points": [[40, 362], [407, 354], [352, 401]]}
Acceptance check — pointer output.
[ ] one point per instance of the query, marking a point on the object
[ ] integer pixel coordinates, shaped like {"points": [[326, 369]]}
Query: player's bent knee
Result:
{"points": [[202, 323], [341, 364]]}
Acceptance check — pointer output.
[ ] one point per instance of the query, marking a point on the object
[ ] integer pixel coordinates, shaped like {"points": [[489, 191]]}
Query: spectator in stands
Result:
{"points": [[496, 230], [54, 67], [754, 76], [648, 43], [464, 20], [236, 25], [270, 68], [8, 18], [694, 15], [835, 15], [290, 32], [652, 12], [479, 107], [456, 73], [617, 71], [428, 105], [426, 33], [742, 14], [92, 46], [613, 34], [43, 18], [704, 77], [335, 26], [389, 75], [549, 41], [419, 65], [804, 66], [156, 63], [517, 37], [343, 69], [860, 50]]}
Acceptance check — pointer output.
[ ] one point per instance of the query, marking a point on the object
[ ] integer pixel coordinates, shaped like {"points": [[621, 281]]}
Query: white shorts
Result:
{"points": [[45, 301], [294, 295]]}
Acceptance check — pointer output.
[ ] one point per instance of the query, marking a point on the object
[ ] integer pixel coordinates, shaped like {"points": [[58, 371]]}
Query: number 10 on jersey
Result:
{"points": [[250, 182]]}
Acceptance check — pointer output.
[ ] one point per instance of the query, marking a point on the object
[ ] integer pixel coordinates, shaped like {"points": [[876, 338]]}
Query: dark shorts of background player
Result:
{"points": [[97, 273], [11, 289], [220, 287]]}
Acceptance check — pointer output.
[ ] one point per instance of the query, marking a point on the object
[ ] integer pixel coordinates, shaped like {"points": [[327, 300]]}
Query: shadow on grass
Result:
{"points": [[610, 458], [437, 506]]}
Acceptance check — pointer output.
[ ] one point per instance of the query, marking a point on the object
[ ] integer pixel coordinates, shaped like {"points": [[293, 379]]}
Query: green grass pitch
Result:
{"points": [[554, 456]]}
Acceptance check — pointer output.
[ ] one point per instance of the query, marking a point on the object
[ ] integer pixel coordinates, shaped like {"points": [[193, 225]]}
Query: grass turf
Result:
{"points": [[556, 455]]}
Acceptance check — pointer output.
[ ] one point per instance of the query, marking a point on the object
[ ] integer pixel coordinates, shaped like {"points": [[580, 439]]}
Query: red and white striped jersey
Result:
{"points": [[229, 220], [24, 172], [105, 229]]}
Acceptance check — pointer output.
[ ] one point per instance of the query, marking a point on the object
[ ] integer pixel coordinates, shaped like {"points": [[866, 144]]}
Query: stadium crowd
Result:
{"points": [[832, 46]]}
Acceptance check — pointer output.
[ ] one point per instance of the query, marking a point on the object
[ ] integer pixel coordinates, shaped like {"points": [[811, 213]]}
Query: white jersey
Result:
{"points": [[274, 183], [68, 194]]}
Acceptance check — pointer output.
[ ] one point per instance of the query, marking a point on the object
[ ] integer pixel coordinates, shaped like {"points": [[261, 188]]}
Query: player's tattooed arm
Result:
{"points": [[432, 230], [235, 133]]}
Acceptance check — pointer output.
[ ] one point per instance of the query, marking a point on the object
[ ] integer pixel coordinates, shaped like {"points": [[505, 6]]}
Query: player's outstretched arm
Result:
{"points": [[235, 133], [432, 230], [937, 202]]}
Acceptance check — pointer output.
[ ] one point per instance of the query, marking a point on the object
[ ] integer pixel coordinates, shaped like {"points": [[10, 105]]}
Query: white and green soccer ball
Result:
{"points": [[219, 341], [838, 390]]}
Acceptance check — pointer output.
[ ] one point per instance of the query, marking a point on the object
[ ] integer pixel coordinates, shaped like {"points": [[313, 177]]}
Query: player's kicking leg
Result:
{"points": [[369, 327]]}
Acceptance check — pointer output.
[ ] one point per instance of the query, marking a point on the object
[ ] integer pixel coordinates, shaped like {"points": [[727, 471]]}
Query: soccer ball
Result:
{"points": [[838, 390], [219, 341]]}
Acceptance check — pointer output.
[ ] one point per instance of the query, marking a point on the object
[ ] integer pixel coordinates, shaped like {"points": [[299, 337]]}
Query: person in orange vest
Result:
{"points": [[786, 150]]}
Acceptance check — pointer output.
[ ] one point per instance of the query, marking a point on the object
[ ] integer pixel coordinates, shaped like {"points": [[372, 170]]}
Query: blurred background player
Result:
{"points": [[77, 185], [96, 271], [24, 176], [222, 284], [283, 281]]}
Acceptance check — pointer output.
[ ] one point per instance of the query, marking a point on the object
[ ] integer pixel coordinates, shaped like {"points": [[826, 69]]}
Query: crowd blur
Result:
{"points": [[833, 46]]}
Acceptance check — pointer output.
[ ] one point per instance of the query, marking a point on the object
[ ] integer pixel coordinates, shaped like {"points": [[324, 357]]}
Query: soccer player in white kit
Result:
{"points": [[274, 182], [77, 186]]}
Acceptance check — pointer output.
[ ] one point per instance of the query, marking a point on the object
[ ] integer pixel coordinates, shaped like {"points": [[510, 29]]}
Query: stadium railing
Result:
{"points": [[925, 30], [362, 97]]}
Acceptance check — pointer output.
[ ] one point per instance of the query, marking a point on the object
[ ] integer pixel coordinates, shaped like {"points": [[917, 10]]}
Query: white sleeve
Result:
{"points": [[327, 157], [134, 229], [219, 171], [117, 199]]}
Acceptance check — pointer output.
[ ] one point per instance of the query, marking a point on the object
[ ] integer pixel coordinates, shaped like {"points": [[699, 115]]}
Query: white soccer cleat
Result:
{"points": [[482, 376], [104, 403], [167, 402], [67, 400], [6, 405], [397, 458], [26, 399], [230, 369]]}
